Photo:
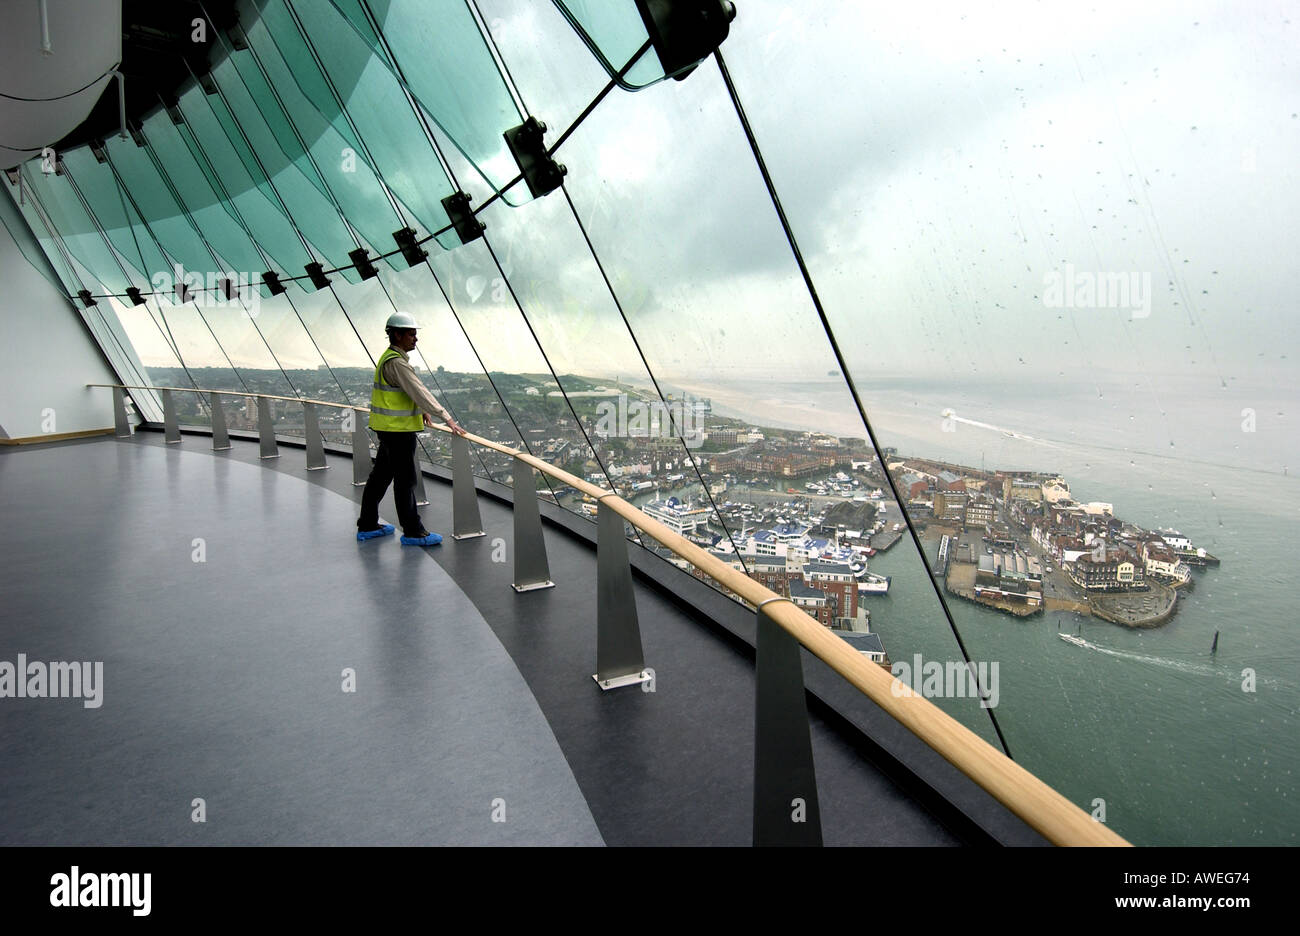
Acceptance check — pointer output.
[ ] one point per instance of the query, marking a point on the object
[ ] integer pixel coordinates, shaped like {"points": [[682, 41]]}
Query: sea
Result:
{"points": [[1147, 730]]}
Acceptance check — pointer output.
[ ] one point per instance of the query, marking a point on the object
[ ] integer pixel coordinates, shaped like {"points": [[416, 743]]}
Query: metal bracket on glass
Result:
{"points": [[315, 448], [171, 429], [619, 658], [541, 172], [468, 227], [360, 449], [683, 33], [465, 520], [531, 568], [266, 429], [120, 421], [421, 496], [220, 437], [786, 810]]}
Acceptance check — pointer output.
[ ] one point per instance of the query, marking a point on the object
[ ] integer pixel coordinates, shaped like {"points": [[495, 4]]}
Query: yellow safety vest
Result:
{"points": [[391, 410]]}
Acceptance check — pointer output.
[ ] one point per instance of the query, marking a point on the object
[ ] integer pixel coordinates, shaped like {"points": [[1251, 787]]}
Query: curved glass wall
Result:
{"points": [[986, 389]]}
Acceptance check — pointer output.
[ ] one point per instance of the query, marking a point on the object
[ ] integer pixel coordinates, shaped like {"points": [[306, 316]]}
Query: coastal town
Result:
{"points": [[805, 512]]}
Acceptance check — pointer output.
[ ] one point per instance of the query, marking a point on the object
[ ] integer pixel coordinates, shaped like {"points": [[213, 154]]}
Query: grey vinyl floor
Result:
{"points": [[230, 606]]}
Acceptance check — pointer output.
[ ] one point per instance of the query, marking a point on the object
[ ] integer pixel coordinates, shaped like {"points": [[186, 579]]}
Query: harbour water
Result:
{"points": [[1148, 724]]}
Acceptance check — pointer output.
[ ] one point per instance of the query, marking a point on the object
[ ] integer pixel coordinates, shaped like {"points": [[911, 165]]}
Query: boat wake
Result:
{"points": [[1183, 666], [948, 414]]}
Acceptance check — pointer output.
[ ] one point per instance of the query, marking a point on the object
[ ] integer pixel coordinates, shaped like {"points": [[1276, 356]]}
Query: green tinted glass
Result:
{"points": [[260, 131], [211, 132], [383, 117], [80, 235], [336, 153], [614, 32], [448, 67]]}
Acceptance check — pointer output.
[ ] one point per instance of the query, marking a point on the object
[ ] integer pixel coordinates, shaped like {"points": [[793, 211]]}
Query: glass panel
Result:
{"points": [[45, 234], [531, 396], [456, 377], [219, 231], [549, 65], [136, 250], [289, 177], [248, 204], [298, 367], [612, 403], [448, 68], [614, 32], [148, 345], [78, 231], [336, 153], [382, 117], [1043, 298], [99, 318], [697, 257], [18, 230], [152, 199], [339, 321]]}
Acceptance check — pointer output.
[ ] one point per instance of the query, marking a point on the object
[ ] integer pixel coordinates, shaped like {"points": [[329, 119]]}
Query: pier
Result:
{"points": [[885, 538], [960, 581], [1136, 609]]}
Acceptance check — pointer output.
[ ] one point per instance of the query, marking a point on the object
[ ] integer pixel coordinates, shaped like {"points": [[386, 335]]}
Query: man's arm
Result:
{"points": [[399, 373]]}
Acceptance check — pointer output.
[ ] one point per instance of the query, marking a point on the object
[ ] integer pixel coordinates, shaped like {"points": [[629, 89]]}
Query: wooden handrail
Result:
{"points": [[1039, 805]]}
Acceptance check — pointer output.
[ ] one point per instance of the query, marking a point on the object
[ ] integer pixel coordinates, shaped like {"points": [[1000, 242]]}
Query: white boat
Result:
{"points": [[1074, 639], [874, 584]]}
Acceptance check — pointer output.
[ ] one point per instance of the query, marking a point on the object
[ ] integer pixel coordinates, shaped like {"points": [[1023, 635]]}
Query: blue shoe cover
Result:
{"points": [[384, 530], [433, 539]]}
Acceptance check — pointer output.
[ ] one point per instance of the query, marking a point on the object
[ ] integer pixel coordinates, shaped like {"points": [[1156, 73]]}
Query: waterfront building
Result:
{"points": [[1176, 539], [813, 601], [1055, 490], [1163, 563], [868, 645], [1015, 488], [1116, 571]]}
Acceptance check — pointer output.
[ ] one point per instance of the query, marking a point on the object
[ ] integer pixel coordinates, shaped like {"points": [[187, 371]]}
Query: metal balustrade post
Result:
{"points": [[421, 496], [619, 658], [266, 429], [220, 437], [171, 428], [315, 447], [466, 522], [532, 571], [361, 463], [786, 810], [120, 421]]}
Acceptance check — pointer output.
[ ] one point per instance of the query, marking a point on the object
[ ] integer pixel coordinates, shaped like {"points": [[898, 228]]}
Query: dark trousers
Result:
{"points": [[394, 464]]}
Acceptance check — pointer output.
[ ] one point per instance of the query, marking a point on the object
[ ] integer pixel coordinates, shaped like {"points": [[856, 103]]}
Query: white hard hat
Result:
{"points": [[401, 320]]}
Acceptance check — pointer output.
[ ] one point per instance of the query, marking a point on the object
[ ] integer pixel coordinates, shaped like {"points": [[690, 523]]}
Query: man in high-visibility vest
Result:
{"points": [[400, 407]]}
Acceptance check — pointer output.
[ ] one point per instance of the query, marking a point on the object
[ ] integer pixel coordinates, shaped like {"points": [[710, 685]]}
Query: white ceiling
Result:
{"points": [[86, 40]]}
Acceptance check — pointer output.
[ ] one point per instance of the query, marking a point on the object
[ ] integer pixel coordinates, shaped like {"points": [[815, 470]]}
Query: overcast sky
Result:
{"points": [[938, 163]]}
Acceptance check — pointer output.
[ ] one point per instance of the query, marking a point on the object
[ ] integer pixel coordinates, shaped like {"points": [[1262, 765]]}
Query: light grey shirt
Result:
{"points": [[399, 373]]}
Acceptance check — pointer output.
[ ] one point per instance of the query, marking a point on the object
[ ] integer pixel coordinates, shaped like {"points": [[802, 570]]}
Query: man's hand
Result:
{"points": [[455, 427], [428, 420]]}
